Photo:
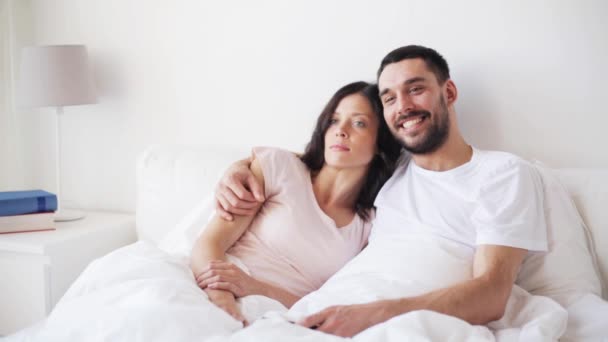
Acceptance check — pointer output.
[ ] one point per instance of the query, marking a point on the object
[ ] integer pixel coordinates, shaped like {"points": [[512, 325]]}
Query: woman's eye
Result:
{"points": [[359, 124], [333, 121]]}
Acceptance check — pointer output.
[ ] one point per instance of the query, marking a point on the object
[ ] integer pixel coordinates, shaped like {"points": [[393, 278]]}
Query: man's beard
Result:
{"points": [[435, 135]]}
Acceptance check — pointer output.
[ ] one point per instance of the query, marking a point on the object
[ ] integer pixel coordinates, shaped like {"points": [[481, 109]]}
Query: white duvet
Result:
{"points": [[141, 293]]}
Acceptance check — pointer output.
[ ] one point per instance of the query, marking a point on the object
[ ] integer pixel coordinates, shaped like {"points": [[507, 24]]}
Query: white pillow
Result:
{"points": [[568, 270], [587, 320], [589, 190], [180, 239]]}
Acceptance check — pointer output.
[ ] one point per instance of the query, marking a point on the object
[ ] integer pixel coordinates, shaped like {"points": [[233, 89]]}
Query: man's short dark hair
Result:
{"points": [[434, 61]]}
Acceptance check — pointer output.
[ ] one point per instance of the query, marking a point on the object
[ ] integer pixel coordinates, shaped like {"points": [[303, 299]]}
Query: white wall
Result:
{"points": [[531, 76]]}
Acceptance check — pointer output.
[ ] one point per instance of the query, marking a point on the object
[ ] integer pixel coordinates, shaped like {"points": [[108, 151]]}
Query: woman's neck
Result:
{"points": [[338, 188]]}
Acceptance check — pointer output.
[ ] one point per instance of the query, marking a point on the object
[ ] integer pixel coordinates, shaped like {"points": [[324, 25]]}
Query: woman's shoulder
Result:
{"points": [[275, 156], [274, 152], [277, 161], [281, 169]]}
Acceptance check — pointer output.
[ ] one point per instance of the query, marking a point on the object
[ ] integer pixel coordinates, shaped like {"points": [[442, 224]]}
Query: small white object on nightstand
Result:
{"points": [[37, 268]]}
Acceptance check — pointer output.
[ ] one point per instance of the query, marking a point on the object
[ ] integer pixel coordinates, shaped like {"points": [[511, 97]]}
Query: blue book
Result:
{"points": [[26, 202]]}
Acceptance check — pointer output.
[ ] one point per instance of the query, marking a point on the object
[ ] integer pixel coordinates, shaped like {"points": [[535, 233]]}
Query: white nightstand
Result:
{"points": [[37, 268]]}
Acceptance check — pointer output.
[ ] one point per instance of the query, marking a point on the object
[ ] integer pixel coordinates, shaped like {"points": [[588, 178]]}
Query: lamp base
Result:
{"points": [[64, 215]]}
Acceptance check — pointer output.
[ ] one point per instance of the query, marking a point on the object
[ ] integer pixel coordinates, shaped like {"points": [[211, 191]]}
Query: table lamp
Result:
{"points": [[56, 76]]}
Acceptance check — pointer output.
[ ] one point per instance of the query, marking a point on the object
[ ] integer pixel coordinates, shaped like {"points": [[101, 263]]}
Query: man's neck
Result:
{"points": [[449, 156]]}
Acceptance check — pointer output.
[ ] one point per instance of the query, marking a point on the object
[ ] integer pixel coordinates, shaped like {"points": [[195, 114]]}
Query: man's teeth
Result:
{"points": [[411, 123]]}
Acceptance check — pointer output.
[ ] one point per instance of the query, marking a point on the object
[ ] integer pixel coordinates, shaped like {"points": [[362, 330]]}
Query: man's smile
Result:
{"points": [[411, 123]]}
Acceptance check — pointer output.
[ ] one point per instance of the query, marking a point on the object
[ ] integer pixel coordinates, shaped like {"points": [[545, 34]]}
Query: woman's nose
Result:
{"points": [[341, 132]]}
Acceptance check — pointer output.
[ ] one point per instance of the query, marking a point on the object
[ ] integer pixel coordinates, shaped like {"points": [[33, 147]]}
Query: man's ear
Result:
{"points": [[451, 92]]}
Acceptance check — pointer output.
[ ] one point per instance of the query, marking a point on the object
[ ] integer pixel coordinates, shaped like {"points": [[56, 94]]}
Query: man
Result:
{"points": [[490, 201]]}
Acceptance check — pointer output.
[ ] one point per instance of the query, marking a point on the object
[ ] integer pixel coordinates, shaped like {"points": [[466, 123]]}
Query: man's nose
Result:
{"points": [[404, 105]]}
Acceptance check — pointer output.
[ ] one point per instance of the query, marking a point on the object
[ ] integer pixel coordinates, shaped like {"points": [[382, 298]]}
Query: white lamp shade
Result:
{"points": [[55, 75]]}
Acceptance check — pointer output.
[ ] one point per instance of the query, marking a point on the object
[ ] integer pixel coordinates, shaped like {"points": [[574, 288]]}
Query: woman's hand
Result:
{"points": [[225, 301], [223, 275]]}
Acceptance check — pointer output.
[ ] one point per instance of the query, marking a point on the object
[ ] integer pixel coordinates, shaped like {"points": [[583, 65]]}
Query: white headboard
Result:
{"points": [[172, 179]]}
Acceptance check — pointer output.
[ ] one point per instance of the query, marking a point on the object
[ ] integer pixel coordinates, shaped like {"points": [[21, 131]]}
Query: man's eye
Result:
{"points": [[389, 99], [416, 90]]}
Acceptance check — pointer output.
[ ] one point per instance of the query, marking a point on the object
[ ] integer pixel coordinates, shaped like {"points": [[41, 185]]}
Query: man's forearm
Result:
{"points": [[477, 301]]}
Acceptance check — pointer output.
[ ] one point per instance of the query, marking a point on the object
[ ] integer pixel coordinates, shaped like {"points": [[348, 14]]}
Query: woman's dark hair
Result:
{"points": [[434, 61], [388, 149]]}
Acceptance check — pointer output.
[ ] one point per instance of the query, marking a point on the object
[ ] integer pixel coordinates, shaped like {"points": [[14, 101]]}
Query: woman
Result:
{"points": [[317, 209]]}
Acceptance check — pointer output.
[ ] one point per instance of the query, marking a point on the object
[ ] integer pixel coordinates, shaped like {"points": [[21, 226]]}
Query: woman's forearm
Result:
{"points": [[225, 301], [215, 240], [202, 253]]}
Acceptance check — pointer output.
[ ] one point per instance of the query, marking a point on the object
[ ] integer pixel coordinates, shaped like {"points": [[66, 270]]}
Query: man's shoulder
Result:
{"points": [[503, 170], [493, 163]]}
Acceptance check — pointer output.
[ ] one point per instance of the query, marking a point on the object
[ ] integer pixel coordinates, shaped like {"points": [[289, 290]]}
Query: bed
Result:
{"points": [[143, 292]]}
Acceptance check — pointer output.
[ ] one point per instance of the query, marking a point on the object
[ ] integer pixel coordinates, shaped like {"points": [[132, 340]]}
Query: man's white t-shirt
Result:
{"points": [[494, 199]]}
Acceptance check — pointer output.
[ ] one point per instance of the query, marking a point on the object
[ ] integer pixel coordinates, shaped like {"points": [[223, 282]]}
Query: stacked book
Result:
{"points": [[27, 211]]}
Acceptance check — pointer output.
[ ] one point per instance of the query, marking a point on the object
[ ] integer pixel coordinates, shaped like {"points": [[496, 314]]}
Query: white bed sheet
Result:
{"points": [[141, 293]]}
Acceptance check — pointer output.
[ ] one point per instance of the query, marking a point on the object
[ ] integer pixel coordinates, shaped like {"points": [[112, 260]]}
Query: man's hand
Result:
{"points": [[349, 320], [225, 301], [222, 275], [238, 192]]}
